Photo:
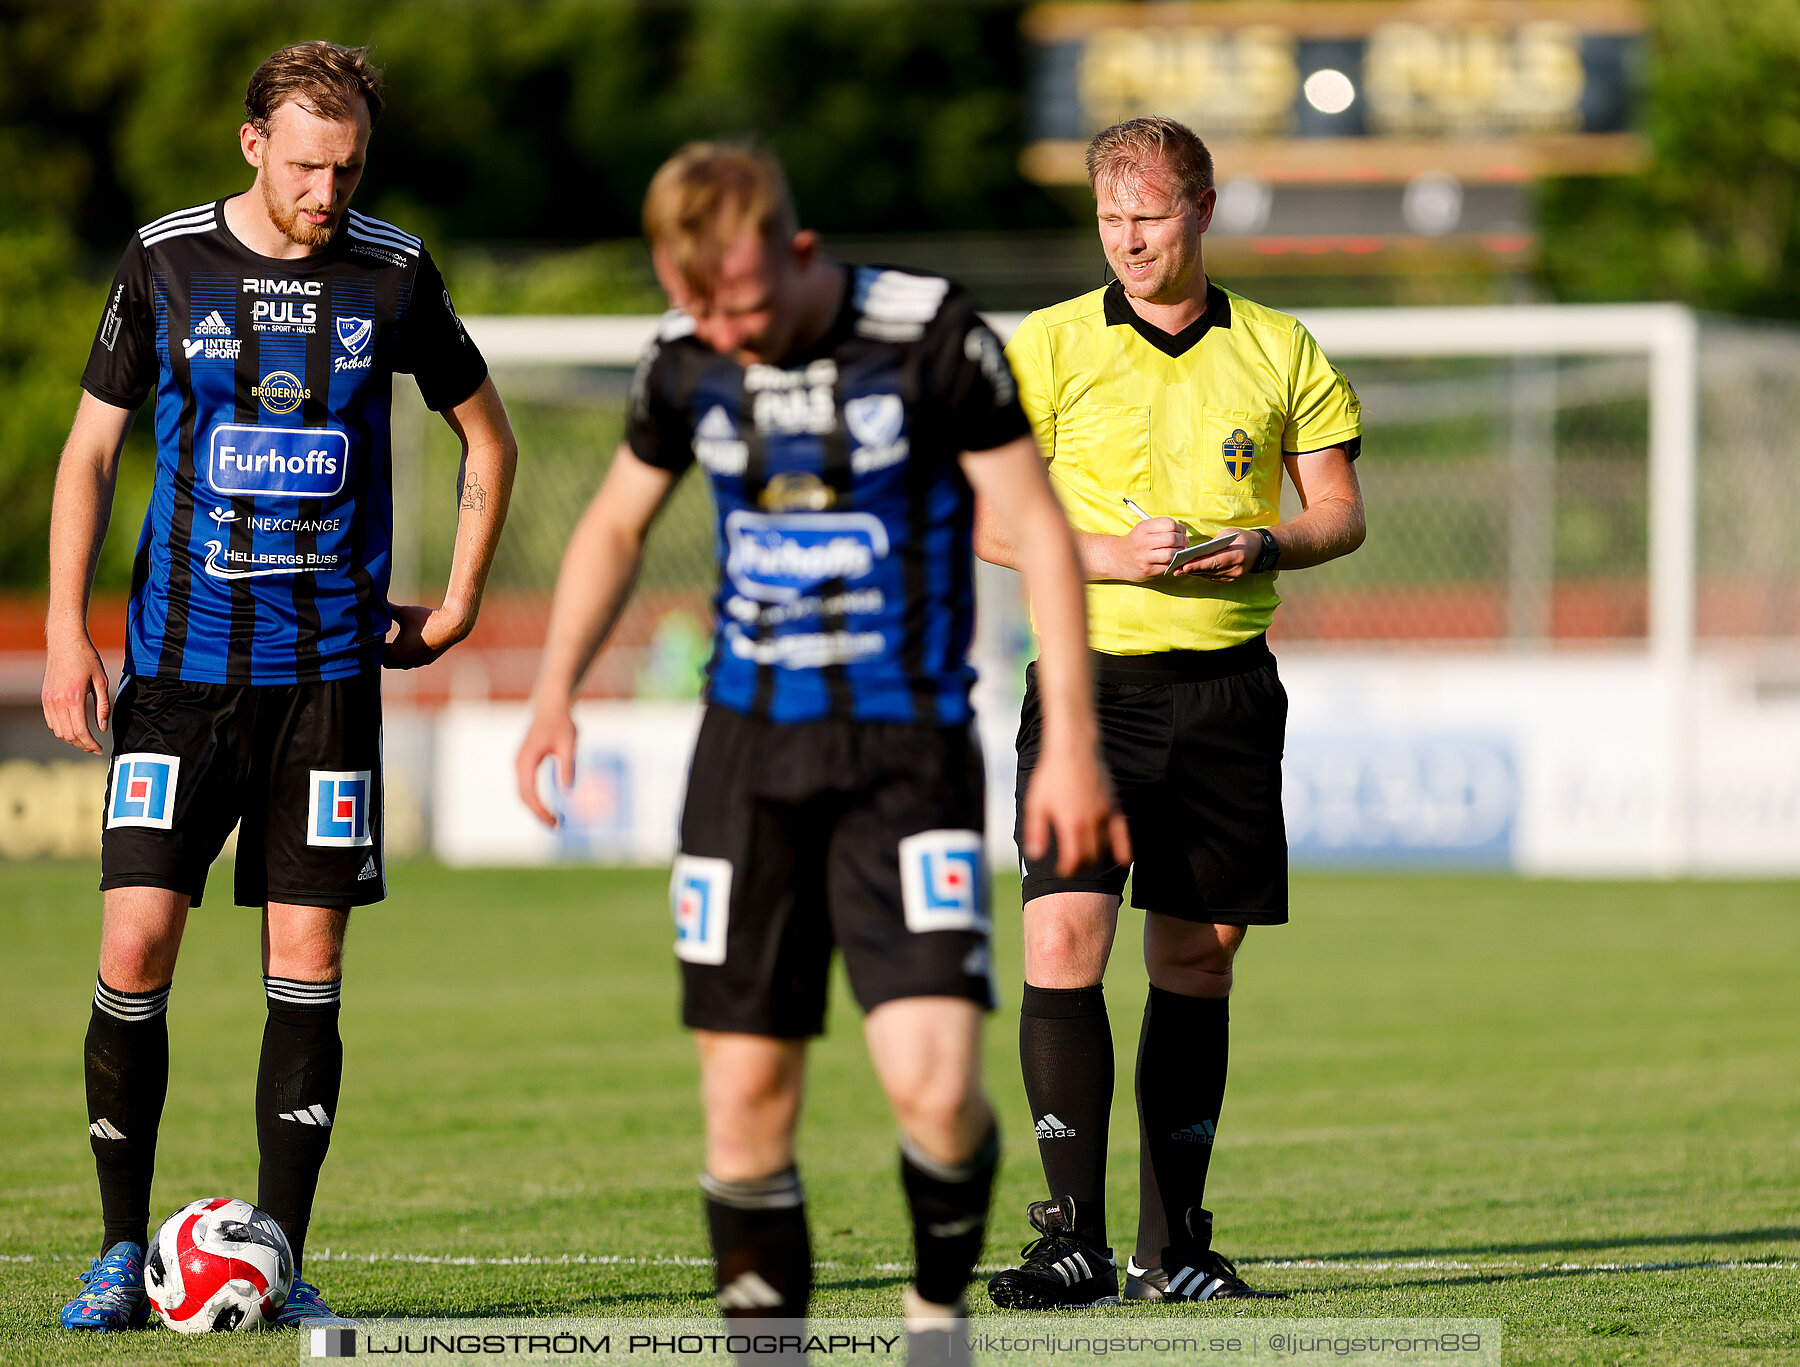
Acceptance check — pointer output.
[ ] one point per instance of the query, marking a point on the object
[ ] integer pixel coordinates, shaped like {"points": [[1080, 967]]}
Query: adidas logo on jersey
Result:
{"points": [[312, 1115], [1049, 1127], [1201, 1132], [104, 1129], [368, 870], [717, 444], [212, 340]]}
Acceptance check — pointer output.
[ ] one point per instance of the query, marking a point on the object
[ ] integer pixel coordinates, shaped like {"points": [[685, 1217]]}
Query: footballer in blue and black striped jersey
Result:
{"points": [[268, 327], [265, 553], [846, 417], [846, 580]]}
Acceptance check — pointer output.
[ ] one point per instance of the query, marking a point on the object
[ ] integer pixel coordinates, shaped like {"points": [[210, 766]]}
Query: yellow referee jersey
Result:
{"points": [[1191, 426]]}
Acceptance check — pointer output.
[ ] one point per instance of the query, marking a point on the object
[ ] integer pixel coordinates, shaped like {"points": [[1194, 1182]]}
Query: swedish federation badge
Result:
{"points": [[1240, 453]]}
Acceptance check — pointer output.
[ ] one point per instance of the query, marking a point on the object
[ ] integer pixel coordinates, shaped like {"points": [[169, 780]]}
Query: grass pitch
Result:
{"points": [[1573, 1107]]}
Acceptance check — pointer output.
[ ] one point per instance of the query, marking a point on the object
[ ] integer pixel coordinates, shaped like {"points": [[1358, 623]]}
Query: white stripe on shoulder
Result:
{"points": [[376, 225], [167, 233], [675, 324], [200, 222], [400, 240], [191, 211], [896, 306], [360, 234]]}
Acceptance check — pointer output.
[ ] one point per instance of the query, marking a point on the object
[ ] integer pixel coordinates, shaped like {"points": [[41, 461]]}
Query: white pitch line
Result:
{"points": [[1435, 1264], [329, 1255]]}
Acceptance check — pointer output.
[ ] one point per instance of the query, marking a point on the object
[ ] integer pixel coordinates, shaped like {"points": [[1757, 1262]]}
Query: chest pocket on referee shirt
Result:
{"points": [[1110, 445], [1235, 471]]}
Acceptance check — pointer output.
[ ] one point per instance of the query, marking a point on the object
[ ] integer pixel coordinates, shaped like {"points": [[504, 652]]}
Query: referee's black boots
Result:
{"points": [[1196, 1272], [1061, 1271]]}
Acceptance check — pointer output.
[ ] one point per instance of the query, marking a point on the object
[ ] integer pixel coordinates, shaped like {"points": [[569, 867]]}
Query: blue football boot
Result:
{"points": [[304, 1309], [113, 1298]]}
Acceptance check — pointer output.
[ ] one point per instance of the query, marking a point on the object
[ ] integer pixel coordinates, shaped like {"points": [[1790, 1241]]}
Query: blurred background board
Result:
{"points": [[1354, 136]]}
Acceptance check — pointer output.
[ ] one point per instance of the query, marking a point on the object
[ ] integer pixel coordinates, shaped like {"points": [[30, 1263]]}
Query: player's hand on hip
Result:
{"points": [[1070, 798], [1228, 564], [73, 671], [551, 735], [1145, 551], [421, 635]]}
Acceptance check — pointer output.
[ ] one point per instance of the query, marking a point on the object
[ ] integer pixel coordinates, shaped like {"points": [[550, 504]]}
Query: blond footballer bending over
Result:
{"points": [[1168, 409], [846, 416]]}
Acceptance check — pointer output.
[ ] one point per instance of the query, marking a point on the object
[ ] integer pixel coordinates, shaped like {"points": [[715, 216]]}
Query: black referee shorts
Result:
{"points": [[1194, 741], [295, 767], [800, 838]]}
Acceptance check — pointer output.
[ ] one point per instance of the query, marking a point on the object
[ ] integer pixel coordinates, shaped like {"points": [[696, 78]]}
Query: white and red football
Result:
{"points": [[218, 1264]]}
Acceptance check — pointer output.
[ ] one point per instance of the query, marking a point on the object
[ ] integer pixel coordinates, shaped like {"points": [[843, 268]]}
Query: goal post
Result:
{"points": [[1665, 334], [1510, 672]]}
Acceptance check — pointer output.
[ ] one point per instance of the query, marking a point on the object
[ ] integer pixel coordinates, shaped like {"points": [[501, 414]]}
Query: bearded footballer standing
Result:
{"points": [[845, 416], [1165, 405], [269, 326]]}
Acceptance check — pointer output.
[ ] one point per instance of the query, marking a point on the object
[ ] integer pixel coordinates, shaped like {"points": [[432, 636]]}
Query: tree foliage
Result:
{"points": [[1715, 222], [519, 137]]}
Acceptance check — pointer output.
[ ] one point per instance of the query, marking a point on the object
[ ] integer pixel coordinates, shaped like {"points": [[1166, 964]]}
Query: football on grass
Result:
{"points": [[218, 1264]]}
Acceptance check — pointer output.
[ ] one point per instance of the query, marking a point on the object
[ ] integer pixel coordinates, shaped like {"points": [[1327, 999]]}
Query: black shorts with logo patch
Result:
{"points": [[1194, 741], [296, 767], [799, 837]]}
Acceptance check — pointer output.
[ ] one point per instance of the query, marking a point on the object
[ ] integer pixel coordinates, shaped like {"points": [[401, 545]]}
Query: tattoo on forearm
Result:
{"points": [[474, 497]]}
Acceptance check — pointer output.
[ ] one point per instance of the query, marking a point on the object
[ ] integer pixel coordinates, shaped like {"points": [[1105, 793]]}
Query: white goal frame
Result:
{"points": [[1666, 335]]}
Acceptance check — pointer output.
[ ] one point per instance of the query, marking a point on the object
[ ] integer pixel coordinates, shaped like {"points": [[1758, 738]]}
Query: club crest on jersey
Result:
{"points": [[943, 881], [700, 897], [354, 335], [143, 791], [1240, 453], [876, 421], [338, 808]]}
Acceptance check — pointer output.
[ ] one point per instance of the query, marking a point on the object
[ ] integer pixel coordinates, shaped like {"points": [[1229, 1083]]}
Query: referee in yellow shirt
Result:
{"points": [[1168, 409]]}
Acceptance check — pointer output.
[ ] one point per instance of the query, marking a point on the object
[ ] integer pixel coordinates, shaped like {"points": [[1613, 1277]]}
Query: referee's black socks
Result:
{"points": [[1180, 1089], [762, 1254], [1066, 1055], [296, 1099], [126, 1062], [949, 1207]]}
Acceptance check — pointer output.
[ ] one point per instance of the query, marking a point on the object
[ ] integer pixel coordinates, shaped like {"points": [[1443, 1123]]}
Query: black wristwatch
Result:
{"points": [[1271, 552]]}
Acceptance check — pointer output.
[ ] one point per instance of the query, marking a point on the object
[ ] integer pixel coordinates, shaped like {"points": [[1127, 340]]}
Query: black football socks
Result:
{"points": [[126, 1061], [761, 1252], [296, 1099], [949, 1207], [1180, 1089], [1066, 1054]]}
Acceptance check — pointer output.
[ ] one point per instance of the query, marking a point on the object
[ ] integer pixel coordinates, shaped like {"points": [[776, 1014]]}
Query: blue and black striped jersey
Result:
{"points": [[264, 556], [846, 574]]}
